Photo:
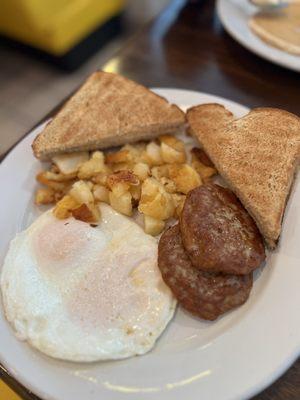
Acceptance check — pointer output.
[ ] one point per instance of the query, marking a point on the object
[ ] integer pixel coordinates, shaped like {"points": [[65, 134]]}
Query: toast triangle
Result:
{"points": [[257, 155], [108, 110]]}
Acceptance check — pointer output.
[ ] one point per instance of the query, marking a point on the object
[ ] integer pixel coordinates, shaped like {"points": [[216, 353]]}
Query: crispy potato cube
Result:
{"points": [[200, 155], [64, 207], [101, 193], [170, 155], [204, 171], [152, 154], [94, 166], [153, 226], [51, 176], [121, 203], [44, 196], [127, 178], [68, 163], [121, 167], [155, 201], [121, 156], [57, 186], [168, 184], [100, 179], [81, 192], [173, 142], [160, 172], [141, 170], [185, 177], [87, 213]]}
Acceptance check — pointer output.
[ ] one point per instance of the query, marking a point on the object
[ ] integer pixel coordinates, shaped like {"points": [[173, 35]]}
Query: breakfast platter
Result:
{"points": [[235, 16], [176, 352]]}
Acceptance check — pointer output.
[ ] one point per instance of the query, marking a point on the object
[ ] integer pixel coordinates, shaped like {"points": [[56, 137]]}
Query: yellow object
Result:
{"points": [[6, 393], [54, 25]]}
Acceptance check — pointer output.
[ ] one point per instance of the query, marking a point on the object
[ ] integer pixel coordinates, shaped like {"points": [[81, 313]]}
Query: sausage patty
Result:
{"points": [[205, 294], [218, 233]]}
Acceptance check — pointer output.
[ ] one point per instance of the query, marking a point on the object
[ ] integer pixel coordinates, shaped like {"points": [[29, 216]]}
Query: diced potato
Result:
{"points": [[69, 163], [152, 154], [94, 166], [168, 184], [160, 171], [121, 203], [141, 170], [204, 171], [81, 193], [136, 192], [170, 155], [57, 186], [87, 213], [173, 142], [44, 196], [155, 201], [101, 193], [51, 176], [121, 156], [64, 207], [121, 167], [125, 177], [185, 177], [101, 178], [153, 226]]}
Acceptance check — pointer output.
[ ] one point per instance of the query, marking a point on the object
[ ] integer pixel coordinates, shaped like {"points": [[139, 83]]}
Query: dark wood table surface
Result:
{"points": [[186, 47]]}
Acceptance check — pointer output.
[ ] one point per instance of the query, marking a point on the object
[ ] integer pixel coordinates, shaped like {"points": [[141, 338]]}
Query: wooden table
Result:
{"points": [[186, 47]]}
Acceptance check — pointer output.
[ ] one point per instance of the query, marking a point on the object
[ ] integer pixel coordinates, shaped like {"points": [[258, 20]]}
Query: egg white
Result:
{"points": [[83, 293]]}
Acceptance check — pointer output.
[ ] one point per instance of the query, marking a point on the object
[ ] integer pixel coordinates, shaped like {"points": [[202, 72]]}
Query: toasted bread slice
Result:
{"points": [[257, 155], [108, 110]]}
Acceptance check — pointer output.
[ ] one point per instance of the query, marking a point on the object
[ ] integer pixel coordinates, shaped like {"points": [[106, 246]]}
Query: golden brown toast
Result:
{"points": [[257, 155], [108, 110]]}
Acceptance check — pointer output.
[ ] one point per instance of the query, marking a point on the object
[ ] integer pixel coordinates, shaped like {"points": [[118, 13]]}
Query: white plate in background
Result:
{"points": [[229, 359], [234, 16]]}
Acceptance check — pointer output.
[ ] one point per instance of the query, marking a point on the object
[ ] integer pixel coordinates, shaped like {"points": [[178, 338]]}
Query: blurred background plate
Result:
{"points": [[234, 15]]}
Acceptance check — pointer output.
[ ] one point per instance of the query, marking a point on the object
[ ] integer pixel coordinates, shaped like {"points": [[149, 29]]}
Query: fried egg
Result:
{"points": [[84, 293]]}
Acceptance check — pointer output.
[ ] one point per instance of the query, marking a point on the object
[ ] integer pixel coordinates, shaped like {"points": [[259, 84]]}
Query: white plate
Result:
{"points": [[232, 358], [234, 15]]}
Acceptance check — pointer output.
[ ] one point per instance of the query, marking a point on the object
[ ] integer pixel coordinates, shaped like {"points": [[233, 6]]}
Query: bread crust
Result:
{"points": [[108, 110]]}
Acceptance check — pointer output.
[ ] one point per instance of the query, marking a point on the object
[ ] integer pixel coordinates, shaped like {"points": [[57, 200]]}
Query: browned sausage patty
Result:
{"points": [[218, 233], [205, 294]]}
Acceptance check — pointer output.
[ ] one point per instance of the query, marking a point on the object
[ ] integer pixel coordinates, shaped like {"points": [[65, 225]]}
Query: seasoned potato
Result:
{"points": [[121, 203], [160, 171], [44, 196], [101, 178], [94, 166], [185, 177], [101, 193], [141, 170], [69, 163], [155, 200], [81, 192], [57, 186], [87, 213], [171, 156], [121, 156], [51, 176], [204, 171], [136, 192], [153, 226], [127, 178], [152, 154], [64, 207], [168, 184], [173, 142]]}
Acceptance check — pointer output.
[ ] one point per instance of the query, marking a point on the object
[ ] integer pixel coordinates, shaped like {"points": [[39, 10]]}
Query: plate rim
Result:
{"points": [[268, 55], [265, 382]]}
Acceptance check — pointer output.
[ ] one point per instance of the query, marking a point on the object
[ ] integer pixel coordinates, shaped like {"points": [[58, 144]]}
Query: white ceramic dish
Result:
{"points": [[232, 358], [234, 15]]}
